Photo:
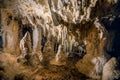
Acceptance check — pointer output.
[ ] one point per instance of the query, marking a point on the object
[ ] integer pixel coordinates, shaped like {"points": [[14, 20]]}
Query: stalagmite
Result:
{"points": [[25, 44], [41, 58], [22, 45], [60, 54]]}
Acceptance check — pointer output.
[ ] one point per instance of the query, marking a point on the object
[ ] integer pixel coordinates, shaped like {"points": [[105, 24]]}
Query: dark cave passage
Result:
{"points": [[1, 42], [115, 27]]}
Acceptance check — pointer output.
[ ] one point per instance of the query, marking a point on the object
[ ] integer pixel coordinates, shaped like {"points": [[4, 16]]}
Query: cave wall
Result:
{"points": [[67, 23], [9, 30]]}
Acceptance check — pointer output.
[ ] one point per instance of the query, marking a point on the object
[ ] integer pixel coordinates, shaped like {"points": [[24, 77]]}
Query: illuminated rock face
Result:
{"points": [[110, 71], [84, 28]]}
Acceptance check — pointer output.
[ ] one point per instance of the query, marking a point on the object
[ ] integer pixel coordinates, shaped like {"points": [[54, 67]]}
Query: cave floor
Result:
{"points": [[10, 69]]}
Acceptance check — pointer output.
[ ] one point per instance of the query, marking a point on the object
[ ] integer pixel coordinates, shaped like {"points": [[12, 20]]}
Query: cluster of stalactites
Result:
{"points": [[73, 10], [58, 34], [39, 16]]}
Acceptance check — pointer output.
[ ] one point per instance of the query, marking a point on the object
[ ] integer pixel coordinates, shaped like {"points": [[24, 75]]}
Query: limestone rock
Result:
{"points": [[110, 71]]}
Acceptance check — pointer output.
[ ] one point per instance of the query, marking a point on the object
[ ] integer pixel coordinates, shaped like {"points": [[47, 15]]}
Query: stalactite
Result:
{"points": [[63, 38], [44, 30], [71, 42], [60, 5], [54, 32], [59, 33], [35, 39], [66, 47], [100, 28]]}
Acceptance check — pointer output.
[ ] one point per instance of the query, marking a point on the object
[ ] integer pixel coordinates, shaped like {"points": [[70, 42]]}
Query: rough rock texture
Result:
{"points": [[110, 70], [10, 69], [88, 31]]}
